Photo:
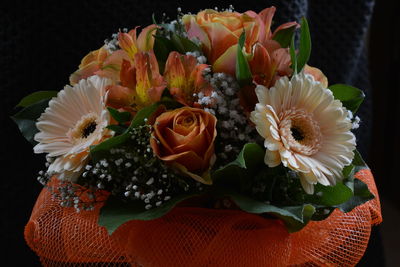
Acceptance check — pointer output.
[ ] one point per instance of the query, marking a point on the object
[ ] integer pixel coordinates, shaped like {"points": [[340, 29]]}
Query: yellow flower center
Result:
{"points": [[84, 127]]}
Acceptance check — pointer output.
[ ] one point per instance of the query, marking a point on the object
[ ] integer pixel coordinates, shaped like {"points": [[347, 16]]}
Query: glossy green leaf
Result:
{"points": [[304, 46], [177, 44], [121, 117], [115, 212], [236, 173], [26, 119], [331, 195], [163, 46], [143, 114], [350, 96], [361, 195], [188, 45], [284, 37], [100, 151], [295, 217], [117, 129], [250, 156], [243, 73], [36, 97], [358, 162], [293, 56]]}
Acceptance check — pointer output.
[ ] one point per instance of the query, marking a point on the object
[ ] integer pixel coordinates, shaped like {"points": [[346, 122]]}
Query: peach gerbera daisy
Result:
{"points": [[305, 129], [74, 120]]}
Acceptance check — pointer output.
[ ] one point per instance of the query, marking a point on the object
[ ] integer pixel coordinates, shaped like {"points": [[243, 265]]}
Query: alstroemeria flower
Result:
{"points": [[132, 44], [185, 77], [269, 61], [107, 64], [90, 64], [141, 83]]}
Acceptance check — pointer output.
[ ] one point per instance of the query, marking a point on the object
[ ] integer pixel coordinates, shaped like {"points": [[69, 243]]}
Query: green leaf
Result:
{"points": [[115, 212], [177, 44], [101, 150], [143, 114], [331, 195], [117, 128], [284, 37], [188, 45], [305, 45], [237, 173], [350, 96], [361, 195], [243, 73], [250, 156], [230, 176], [358, 162], [295, 217], [36, 97], [293, 57], [120, 117], [26, 119], [163, 46]]}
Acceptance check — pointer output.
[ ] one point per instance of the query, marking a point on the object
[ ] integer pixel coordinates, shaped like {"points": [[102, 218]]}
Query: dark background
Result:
{"points": [[42, 42]]}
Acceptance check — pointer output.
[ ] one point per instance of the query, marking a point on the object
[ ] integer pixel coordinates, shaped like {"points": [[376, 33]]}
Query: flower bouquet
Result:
{"points": [[202, 141]]}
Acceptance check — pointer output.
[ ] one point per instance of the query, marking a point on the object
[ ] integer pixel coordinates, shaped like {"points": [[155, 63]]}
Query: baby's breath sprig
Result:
{"points": [[234, 129], [132, 172]]}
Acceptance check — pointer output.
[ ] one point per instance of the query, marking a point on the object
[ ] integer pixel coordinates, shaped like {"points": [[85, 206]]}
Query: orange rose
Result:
{"points": [[219, 33], [185, 138]]}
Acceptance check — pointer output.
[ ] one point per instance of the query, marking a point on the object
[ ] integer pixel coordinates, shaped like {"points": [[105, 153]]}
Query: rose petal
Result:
{"points": [[227, 61]]}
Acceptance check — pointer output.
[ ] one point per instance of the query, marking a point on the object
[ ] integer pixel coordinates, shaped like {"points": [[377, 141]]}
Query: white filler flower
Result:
{"points": [[74, 120], [305, 129]]}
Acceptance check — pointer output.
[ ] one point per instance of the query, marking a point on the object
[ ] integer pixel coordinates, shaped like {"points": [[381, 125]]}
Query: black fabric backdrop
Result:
{"points": [[42, 42]]}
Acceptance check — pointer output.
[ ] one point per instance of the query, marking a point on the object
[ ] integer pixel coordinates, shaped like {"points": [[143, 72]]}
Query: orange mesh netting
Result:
{"points": [[199, 237]]}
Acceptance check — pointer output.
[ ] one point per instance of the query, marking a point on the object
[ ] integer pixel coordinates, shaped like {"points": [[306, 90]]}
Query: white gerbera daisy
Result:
{"points": [[74, 120], [305, 129]]}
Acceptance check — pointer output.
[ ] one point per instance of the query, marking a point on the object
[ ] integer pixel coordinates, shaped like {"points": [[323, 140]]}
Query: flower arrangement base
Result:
{"points": [[199, 237]]}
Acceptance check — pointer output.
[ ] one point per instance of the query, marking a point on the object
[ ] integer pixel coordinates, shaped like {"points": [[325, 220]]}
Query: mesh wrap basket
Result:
{"points": [[190, 236]]}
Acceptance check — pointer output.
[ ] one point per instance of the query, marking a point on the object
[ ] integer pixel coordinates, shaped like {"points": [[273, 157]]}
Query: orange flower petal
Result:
{"points": [[317, 74], [175, 72], [227, 61], [145, 40], [127, 43], [221, 38], [189, 159], [127, 74], [119, 96], [84, 72], [195, 31], [266, 16]]}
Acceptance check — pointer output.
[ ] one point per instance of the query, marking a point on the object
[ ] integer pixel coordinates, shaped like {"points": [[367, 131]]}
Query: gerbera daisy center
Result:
{"points": [[85, 127], [300, 131], [297, 134]]}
